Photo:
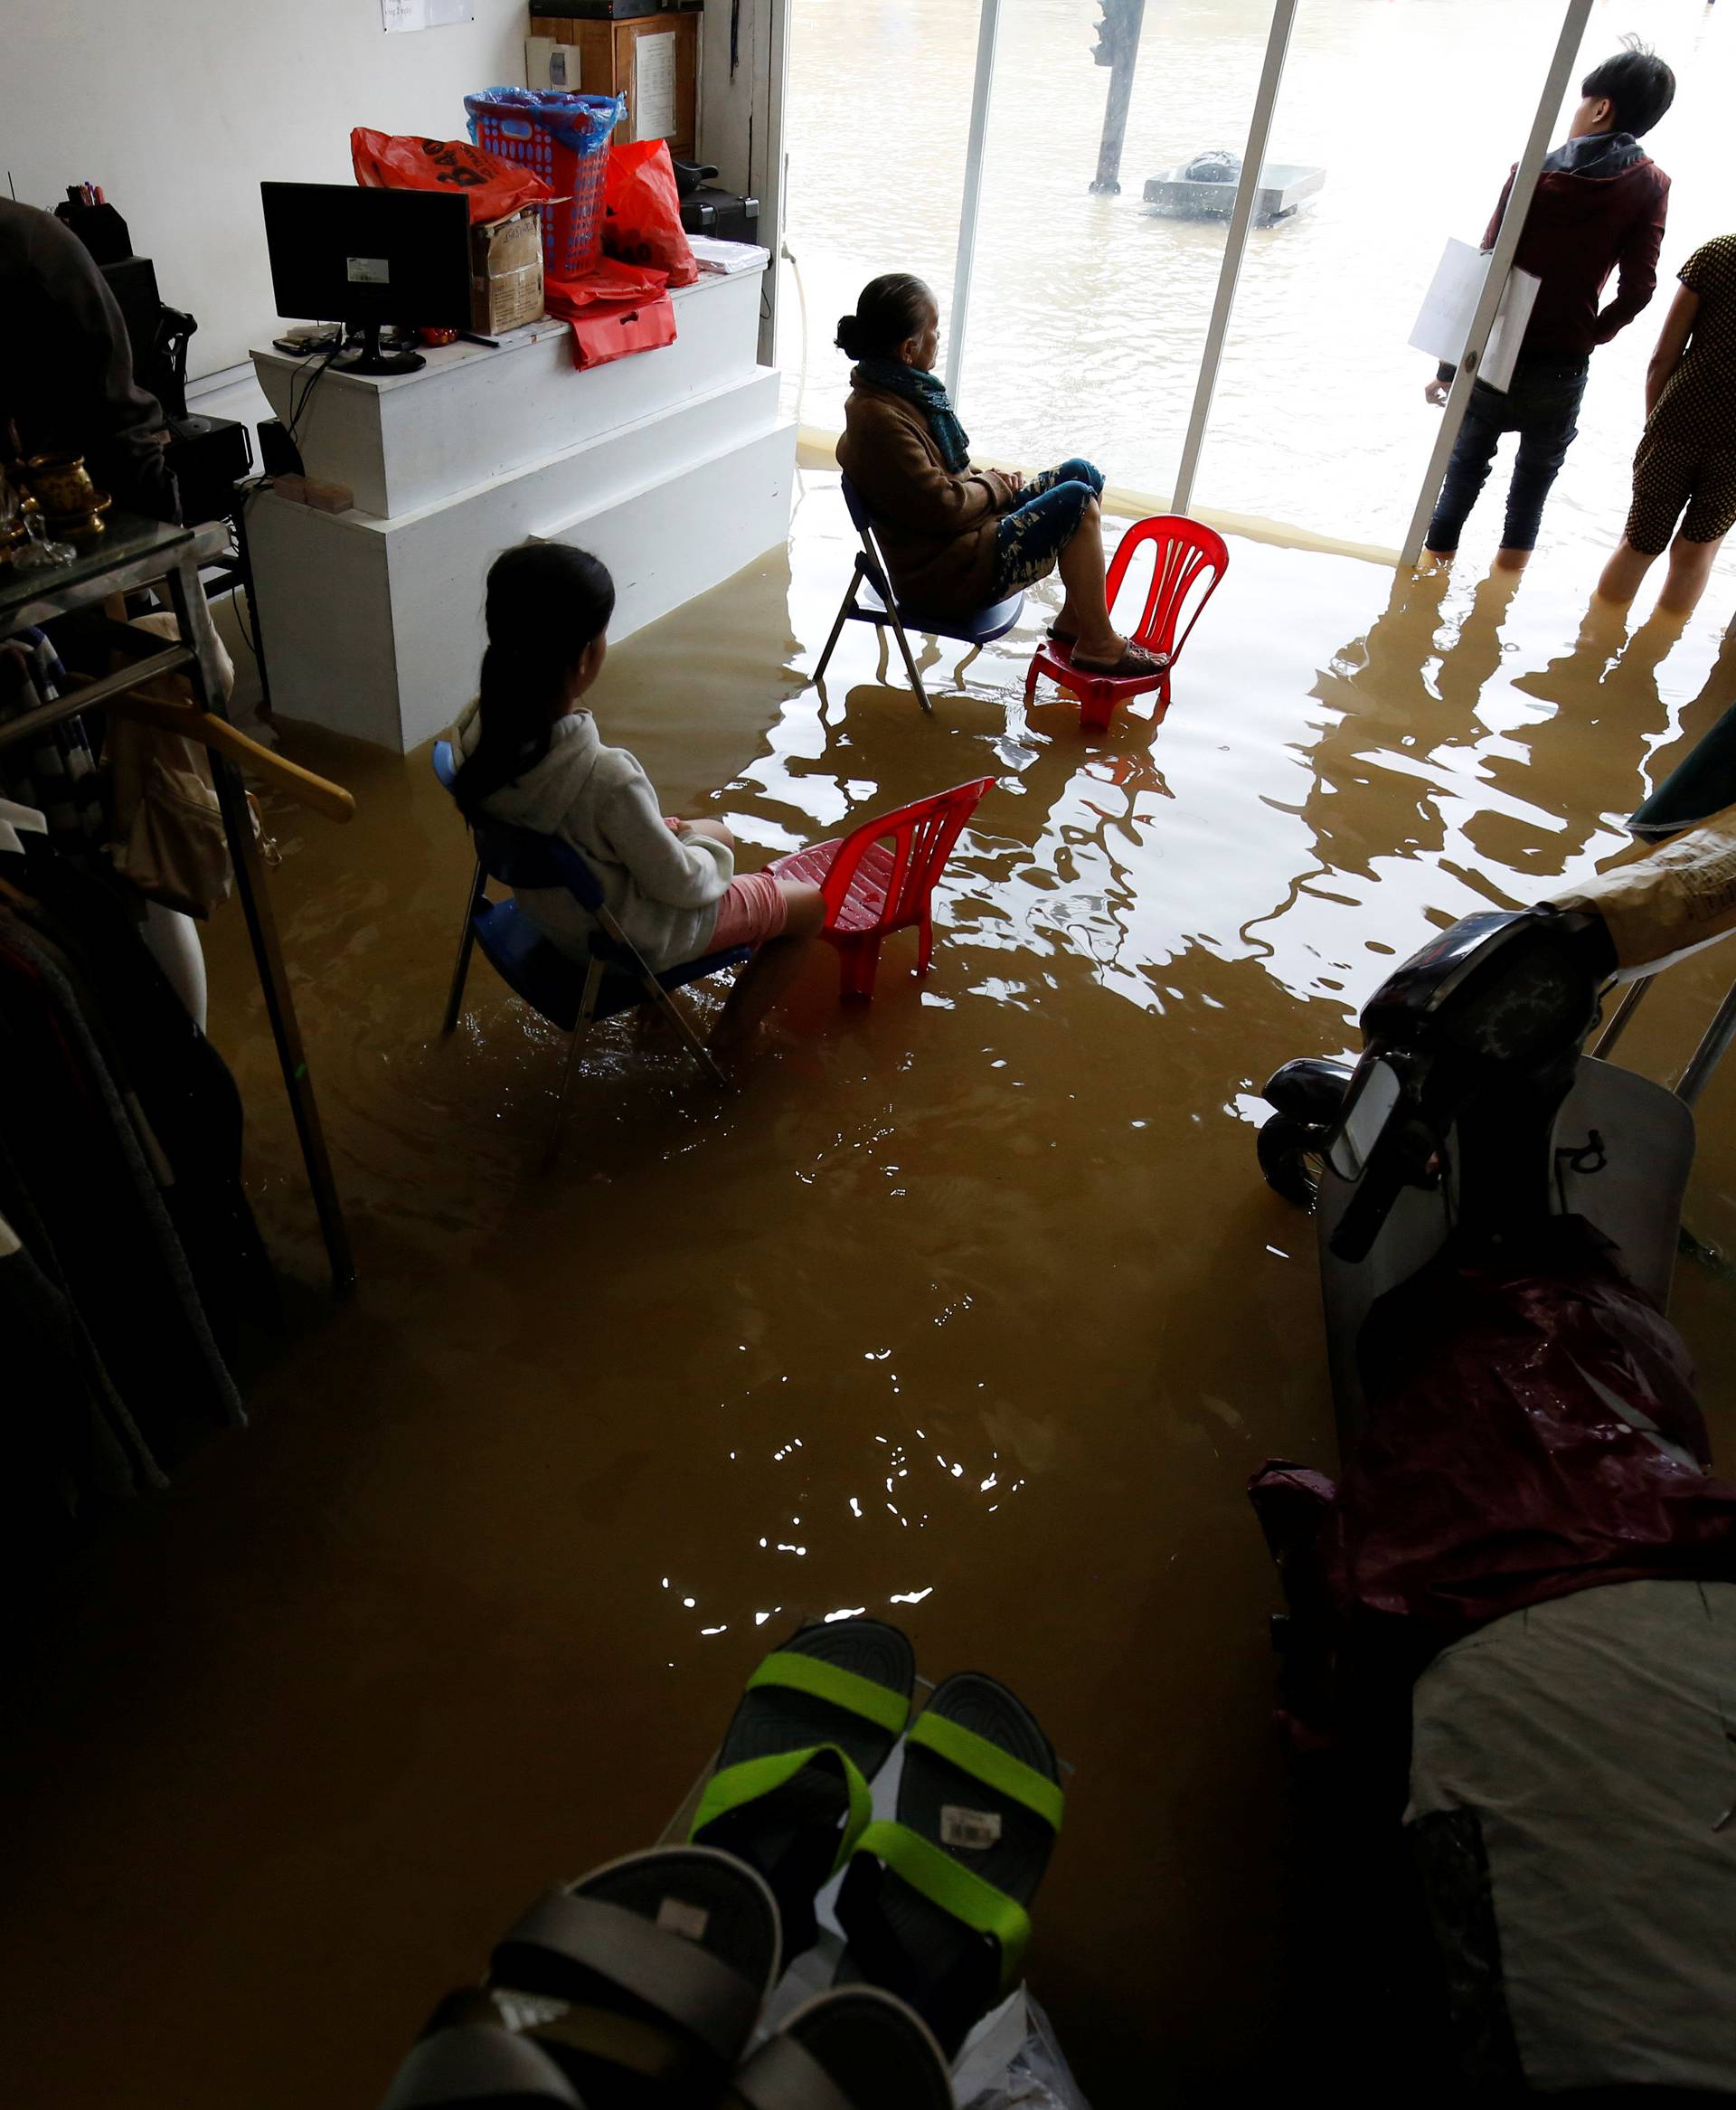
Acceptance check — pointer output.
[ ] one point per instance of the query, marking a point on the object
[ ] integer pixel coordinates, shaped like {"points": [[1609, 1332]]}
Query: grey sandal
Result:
{"points": [[643, 1982], [478, 2063], [853, 2048]]}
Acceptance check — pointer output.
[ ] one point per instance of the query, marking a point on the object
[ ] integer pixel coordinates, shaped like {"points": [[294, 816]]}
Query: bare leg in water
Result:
{"points": [[766, 977], [773, 967], [1624, 573], [1084, 614], [1690, 568]]}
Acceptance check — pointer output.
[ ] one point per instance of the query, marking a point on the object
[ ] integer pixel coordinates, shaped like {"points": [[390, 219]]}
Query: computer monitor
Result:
{"points": [[362, 258]]}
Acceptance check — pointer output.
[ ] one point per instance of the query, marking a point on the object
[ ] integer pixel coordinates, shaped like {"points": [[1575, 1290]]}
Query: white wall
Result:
{"points": [[179, 108]]}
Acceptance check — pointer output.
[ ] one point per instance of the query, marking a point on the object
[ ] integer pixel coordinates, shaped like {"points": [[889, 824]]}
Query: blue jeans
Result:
{"points": [[1040, 527], [1542, 406]]}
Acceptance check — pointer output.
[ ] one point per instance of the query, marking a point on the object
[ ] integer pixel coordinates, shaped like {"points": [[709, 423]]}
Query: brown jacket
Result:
{"points": [[936, 530]]}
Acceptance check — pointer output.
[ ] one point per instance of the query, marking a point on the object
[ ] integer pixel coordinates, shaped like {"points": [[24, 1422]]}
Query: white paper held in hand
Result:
{"points": [[1444, 320]]}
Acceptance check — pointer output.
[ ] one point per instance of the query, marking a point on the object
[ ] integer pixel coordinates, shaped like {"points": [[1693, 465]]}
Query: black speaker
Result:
{"points": [[278, 454], [209, 456]]}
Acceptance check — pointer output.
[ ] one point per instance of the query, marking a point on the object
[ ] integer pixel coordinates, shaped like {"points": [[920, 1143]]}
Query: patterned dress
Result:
{"points": [[1685, 467]]}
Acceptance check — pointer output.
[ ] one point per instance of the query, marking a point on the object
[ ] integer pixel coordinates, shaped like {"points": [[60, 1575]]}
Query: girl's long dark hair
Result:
{"points": [[546, 603]]}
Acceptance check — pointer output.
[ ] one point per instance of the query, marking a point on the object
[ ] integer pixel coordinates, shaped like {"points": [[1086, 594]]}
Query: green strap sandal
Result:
{"points": [[936, 1906], [818, 1720]]}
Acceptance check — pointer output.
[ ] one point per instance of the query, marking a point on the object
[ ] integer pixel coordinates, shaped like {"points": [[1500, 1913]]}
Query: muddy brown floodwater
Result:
{"points": [[968, 1308]]}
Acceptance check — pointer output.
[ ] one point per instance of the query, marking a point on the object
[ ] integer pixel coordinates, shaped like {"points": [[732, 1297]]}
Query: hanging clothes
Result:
{"points": [[164, 827], [56, 769], [120, 1189]]}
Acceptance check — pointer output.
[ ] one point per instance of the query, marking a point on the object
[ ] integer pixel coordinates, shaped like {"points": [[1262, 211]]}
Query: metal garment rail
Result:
{"points": [[146, 554], [1494, 283]]}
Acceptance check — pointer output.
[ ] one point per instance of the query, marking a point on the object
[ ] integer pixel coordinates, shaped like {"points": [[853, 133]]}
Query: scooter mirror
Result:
{"points": [[1372, 1101]]}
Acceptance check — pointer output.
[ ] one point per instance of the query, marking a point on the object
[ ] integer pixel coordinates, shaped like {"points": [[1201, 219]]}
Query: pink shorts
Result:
{"points": [[753, 909]]}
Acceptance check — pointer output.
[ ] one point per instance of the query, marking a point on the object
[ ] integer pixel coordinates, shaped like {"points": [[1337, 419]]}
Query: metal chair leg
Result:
{"points": [[684, 1025], [910, 663], [837, 630], [581, 1034], [1714, 1045], [1617, 1025], [466, 939]]}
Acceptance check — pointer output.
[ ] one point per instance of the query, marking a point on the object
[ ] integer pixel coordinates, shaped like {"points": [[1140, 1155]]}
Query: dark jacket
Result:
{"points": [[66, 368], [1598, 206], [936, 530]]}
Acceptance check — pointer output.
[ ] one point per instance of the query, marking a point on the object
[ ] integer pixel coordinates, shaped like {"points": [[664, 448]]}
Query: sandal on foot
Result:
{"points": [[644, 1981], [936, 1905], [1136, 663], [819, 1719], [853, 2048], [469, 2060]]}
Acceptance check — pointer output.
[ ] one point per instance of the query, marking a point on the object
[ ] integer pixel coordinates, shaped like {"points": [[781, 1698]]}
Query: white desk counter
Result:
{"points": [[673, 466]]}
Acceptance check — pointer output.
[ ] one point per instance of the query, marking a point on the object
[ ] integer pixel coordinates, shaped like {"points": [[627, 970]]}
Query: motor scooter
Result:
{"points": [[1513, 1618], [1475, 1110]]}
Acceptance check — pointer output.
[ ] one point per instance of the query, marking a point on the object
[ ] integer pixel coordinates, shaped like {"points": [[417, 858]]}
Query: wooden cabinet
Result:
{"points": [[627, 58]]}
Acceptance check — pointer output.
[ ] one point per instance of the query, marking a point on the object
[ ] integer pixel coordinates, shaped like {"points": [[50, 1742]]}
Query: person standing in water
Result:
{"points": [[1686, 469], [1599, 207], [957, 539]]}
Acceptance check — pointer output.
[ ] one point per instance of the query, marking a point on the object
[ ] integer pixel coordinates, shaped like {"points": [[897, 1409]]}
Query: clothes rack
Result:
{"points": [[133, 555]]}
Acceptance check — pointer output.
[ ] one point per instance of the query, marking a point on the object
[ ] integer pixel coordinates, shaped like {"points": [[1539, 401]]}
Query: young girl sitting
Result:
{"points": [[532, 756]]}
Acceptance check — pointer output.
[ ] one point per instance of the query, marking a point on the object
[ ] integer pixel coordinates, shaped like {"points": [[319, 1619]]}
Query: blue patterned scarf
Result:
{"points": [[929, 397]]}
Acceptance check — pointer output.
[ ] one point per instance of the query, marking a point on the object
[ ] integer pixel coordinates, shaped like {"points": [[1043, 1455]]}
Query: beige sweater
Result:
{"points": [[661, 887]]}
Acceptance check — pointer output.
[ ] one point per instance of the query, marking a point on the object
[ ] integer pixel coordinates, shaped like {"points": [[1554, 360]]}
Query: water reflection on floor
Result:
{"points": [[968, 1308]]}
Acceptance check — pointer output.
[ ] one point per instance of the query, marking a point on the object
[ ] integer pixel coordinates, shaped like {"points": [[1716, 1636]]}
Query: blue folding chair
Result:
{"points": [[569, 993], [975, 630]]}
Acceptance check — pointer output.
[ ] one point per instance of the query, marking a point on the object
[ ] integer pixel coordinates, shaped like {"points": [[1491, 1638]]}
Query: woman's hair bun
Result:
{"points": [[850, 337]]}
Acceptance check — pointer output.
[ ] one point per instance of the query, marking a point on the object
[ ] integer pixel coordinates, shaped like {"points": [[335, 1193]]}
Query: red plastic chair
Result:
{"points": [[874, 885], [1187, 551]]}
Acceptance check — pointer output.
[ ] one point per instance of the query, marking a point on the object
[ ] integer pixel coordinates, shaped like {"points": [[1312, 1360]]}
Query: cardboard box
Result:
{"points": [[506, 273]]}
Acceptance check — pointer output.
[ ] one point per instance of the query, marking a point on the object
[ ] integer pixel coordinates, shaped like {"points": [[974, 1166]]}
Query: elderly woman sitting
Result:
{"points": [[956, 538]]}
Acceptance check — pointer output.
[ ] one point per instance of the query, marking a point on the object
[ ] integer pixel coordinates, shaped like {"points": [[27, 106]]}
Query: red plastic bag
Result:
{"points": [[494, 186], [606, 283], [613, 328], [642, 211]]}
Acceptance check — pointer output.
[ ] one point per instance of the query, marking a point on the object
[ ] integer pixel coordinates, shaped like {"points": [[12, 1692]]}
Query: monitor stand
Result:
{"points": [[371, 359]]}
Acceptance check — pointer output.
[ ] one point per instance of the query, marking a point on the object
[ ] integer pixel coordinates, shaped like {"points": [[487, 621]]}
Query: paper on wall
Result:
{"points": [[408, 14], [654, 85], [1444, 320]]}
